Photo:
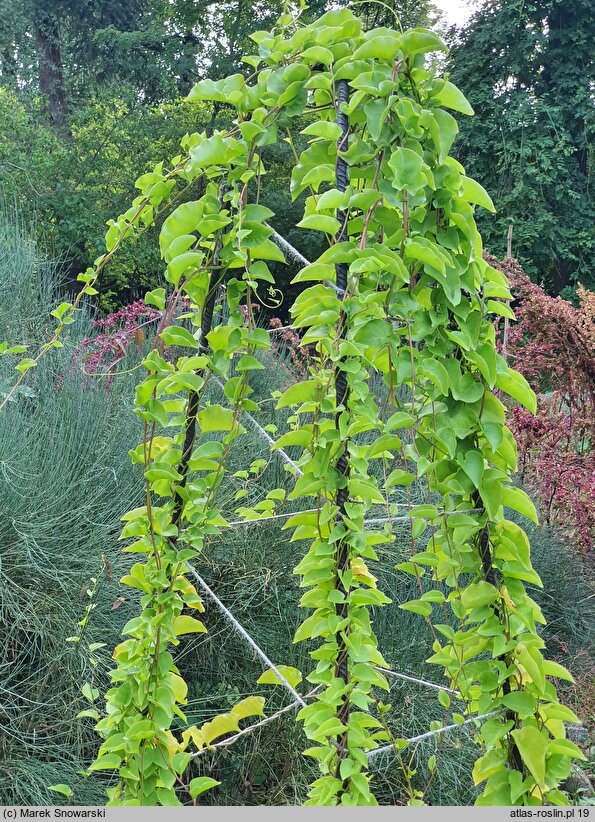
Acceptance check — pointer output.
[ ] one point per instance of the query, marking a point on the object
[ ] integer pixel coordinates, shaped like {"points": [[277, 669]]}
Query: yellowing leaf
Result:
{"points": [[532, 661], [172, 744], [188, 625], [361, 570], [223, 723], [119, 650], [533, 748], [506, 597], [179, 688], [292, 675], [219, 726], [251, 706]]}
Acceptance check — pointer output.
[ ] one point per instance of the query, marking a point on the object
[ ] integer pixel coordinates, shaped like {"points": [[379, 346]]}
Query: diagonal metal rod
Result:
{"points": [[266, 436], [373, 521], [417, 681], [297, 255], [244, 633], [428, 734], [231, 739], [371, 754], [285, 246]]}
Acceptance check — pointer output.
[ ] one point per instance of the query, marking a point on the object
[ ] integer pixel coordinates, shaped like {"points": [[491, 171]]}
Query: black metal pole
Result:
{"points": [[192, 407], [342, 399]]}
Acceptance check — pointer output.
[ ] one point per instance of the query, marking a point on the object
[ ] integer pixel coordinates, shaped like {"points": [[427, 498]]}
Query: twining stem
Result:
{"points": [[342, 399]]}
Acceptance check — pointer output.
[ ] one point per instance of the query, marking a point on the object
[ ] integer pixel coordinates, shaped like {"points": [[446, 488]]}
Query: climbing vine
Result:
{"points": [[219, 237], [401, 294]]}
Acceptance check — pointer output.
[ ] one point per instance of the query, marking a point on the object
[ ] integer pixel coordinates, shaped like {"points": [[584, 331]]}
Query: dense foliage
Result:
{"points": [[246, 566], [395, 400], [528, 69], [411, 304]]}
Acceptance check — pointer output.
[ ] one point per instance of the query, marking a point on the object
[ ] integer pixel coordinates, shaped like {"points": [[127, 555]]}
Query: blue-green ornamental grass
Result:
{"points": [[432, 445], [64, 479]]}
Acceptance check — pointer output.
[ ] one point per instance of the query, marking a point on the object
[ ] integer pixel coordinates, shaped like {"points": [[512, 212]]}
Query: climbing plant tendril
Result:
{"points": [[401, 295]]}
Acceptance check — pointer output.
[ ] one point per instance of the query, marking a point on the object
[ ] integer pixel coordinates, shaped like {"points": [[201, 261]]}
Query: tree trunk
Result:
{"points": [[51, 73]]}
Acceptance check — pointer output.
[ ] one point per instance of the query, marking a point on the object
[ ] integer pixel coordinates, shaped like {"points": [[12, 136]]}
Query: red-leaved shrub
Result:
{"points": [[552, 344]]}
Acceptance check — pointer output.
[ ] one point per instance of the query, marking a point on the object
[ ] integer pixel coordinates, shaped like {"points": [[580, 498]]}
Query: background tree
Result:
{"points": [[81, 81], [69, 49], [527, 68], [404, 13]]}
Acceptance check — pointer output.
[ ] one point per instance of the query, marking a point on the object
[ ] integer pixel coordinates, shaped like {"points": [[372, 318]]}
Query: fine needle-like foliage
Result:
{"points": [[402, 294]]}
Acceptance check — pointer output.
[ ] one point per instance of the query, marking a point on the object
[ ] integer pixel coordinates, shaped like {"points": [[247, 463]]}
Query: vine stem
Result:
{"points": [[341, 400], [193, 398]]}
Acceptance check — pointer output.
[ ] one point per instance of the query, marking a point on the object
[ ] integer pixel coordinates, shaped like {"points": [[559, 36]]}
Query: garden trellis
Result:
{"points": [[410, 302], [299, 700]]}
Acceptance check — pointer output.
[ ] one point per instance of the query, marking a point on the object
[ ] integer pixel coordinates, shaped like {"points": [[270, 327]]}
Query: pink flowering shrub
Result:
{"points": [[552, 344], [118, 331], [244, 309]]}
